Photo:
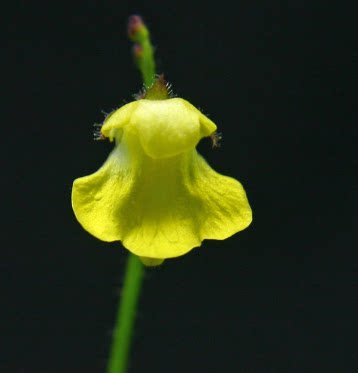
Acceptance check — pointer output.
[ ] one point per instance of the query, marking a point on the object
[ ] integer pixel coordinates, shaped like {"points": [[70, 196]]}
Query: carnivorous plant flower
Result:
{"points": [[155, 193]]}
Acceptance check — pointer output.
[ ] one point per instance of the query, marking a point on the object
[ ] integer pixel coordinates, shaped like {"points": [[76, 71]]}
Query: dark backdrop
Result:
{"points": [[275, 77]]}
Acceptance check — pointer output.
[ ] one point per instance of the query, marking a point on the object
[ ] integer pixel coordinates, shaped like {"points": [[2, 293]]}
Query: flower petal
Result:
{"points": [[97, 198], [225, 208], [207, 126], [160, 208], [115, 121], [167, 127]]}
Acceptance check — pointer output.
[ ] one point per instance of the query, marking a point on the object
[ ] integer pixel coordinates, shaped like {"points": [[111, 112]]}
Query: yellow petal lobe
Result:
{"points": [[117, 120]]}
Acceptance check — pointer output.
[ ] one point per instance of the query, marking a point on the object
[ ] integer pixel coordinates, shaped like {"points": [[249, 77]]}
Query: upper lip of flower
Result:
{"points": [[164, 127]]}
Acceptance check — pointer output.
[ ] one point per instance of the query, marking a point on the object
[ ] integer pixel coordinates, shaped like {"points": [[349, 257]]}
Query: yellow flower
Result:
{"points": [[155, 193]]}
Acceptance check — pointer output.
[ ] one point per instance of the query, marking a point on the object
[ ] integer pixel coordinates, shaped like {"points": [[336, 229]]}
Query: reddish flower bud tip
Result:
{"points": [[135, 22], [137, 51]]}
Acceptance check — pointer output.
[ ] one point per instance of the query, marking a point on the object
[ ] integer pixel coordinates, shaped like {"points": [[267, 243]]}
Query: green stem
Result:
{"points": [[123, 329], [143, 50], [146, 64]]}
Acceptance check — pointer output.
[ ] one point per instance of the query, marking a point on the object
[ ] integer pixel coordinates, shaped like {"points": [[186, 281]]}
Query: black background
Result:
{"points": [[275, 77]]}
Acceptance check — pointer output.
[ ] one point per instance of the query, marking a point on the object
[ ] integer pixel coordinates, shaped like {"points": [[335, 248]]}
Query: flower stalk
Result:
{"points": [[122, 334]]}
